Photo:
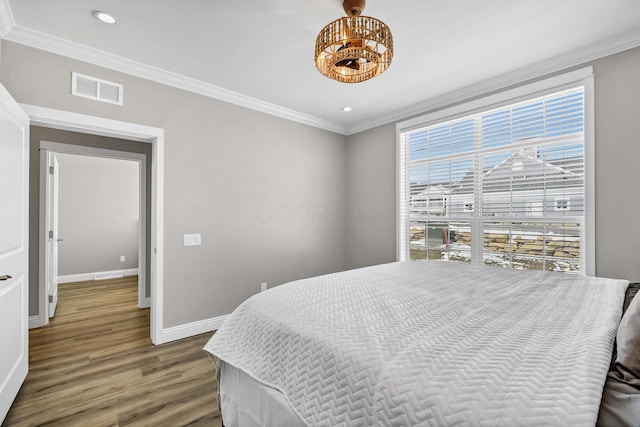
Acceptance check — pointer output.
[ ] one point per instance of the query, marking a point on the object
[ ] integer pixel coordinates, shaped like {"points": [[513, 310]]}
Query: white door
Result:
{"points": [[14, 190], [53, 238]]}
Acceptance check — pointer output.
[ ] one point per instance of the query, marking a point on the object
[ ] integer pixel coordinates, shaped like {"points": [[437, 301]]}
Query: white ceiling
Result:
{"points": [[260, 53]]}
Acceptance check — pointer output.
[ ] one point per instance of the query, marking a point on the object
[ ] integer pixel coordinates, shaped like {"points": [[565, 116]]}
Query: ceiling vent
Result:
{"points": [[97, 89]]}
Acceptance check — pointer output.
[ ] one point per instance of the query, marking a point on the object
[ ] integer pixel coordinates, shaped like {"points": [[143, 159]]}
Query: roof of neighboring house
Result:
{"points": [[515, 173]]}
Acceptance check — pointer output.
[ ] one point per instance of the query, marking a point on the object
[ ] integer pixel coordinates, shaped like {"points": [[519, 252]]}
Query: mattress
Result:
{"points": [[245, 402], [430, 343]]}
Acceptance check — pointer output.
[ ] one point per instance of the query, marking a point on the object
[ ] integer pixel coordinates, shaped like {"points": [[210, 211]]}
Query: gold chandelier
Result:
{"points": [[355, 48]]}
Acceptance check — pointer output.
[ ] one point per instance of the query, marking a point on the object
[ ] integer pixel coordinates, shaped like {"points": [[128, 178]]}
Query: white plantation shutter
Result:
{"points": [[402, 235], [503, 186]]}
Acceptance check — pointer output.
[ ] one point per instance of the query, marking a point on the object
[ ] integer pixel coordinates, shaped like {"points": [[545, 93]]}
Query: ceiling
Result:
{"points": [[260, 53]]}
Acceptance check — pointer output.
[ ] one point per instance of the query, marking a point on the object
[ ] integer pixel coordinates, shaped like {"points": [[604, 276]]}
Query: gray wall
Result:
{"points": [[371, 192], [38, 134], [267, 194], [98, 206], [371, 159], [617, 87]]}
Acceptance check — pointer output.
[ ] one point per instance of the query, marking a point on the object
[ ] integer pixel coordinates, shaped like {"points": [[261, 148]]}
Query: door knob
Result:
{"points": [[5, 277]]}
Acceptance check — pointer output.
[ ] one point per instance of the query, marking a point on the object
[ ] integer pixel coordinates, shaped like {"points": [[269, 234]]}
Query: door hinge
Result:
{"points": [[50, 298], [51, 234], [51, 170]]}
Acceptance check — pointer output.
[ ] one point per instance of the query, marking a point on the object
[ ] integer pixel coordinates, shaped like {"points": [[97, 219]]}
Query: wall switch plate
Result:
{"points": [[123, 258], [192, 240], [263, 286]]}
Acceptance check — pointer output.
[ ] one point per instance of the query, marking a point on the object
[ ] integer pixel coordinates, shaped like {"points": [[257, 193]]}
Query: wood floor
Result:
{"points": [[94, 365]]}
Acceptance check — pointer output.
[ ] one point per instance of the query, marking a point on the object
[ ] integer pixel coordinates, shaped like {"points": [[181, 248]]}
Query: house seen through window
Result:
{"points": [[562, 204], [505, 186]]}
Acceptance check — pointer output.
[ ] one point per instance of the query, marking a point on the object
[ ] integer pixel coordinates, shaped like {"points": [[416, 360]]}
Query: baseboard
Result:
{"points": [[83, 277], [193, 328], [130, 272], [75, 278], [35, 322], [146, 303]]}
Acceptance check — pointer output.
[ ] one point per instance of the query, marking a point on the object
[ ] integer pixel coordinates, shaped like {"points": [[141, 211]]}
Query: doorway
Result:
{"points": [[80, 123], [102, 217]]}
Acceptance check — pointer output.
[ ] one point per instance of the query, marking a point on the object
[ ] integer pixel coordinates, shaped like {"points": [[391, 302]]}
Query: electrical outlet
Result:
{"points": [[192, 240], [263, 286], [123, 258]]}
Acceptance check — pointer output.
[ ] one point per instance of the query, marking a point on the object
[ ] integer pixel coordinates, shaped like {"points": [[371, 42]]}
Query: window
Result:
{"points": [[503, 184], [562, 204]]}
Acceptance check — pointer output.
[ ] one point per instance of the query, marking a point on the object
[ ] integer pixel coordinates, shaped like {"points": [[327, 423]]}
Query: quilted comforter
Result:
{"points": [[430, 343]]}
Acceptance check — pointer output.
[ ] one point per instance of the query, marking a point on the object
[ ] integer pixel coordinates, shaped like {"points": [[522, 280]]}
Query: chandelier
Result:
{"points": [[355, 48]]}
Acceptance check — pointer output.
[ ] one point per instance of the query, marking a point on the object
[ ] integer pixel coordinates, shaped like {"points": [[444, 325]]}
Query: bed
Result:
{"points": [[424, 343]]}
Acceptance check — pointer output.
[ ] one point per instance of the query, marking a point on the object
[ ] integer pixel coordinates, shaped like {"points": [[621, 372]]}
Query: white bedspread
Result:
{"points": [[430, 343]]}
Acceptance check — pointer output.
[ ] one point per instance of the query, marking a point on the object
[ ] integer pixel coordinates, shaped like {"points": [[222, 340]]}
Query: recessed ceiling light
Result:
{"points": [[346, 109], [104, 17]]}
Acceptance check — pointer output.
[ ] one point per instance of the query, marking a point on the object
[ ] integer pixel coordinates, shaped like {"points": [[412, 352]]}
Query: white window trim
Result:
{"points": [[582, 76]]}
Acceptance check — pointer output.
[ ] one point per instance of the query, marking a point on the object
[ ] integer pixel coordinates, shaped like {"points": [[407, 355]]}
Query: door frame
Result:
{"points": [[47, 147], [75, 122]]}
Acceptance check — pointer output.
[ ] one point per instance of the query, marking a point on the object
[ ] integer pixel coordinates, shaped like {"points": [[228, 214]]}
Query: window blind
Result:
{"points": [[503, 186]]}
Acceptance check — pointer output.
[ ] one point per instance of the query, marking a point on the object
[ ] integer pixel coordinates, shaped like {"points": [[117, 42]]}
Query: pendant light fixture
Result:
{"points": [[355, 48]]}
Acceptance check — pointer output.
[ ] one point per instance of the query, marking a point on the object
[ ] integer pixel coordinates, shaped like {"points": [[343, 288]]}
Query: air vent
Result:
{"points": [[97, 89], [108, 275]]}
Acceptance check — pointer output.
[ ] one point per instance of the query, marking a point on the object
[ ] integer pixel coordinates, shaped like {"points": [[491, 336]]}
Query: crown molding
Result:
{"points": [[577, 57], [59, 46], [15, 33], [6, 18]]}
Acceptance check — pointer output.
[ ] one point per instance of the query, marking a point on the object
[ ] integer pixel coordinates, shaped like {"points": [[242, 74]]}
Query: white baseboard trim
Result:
{"points": [[35, 322], [146, 303], [83, 277], [130, 272], [193, 328], [75, 278]]}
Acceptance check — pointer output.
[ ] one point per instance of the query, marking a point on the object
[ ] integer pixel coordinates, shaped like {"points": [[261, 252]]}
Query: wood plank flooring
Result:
{"points": [[94, 365]]}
